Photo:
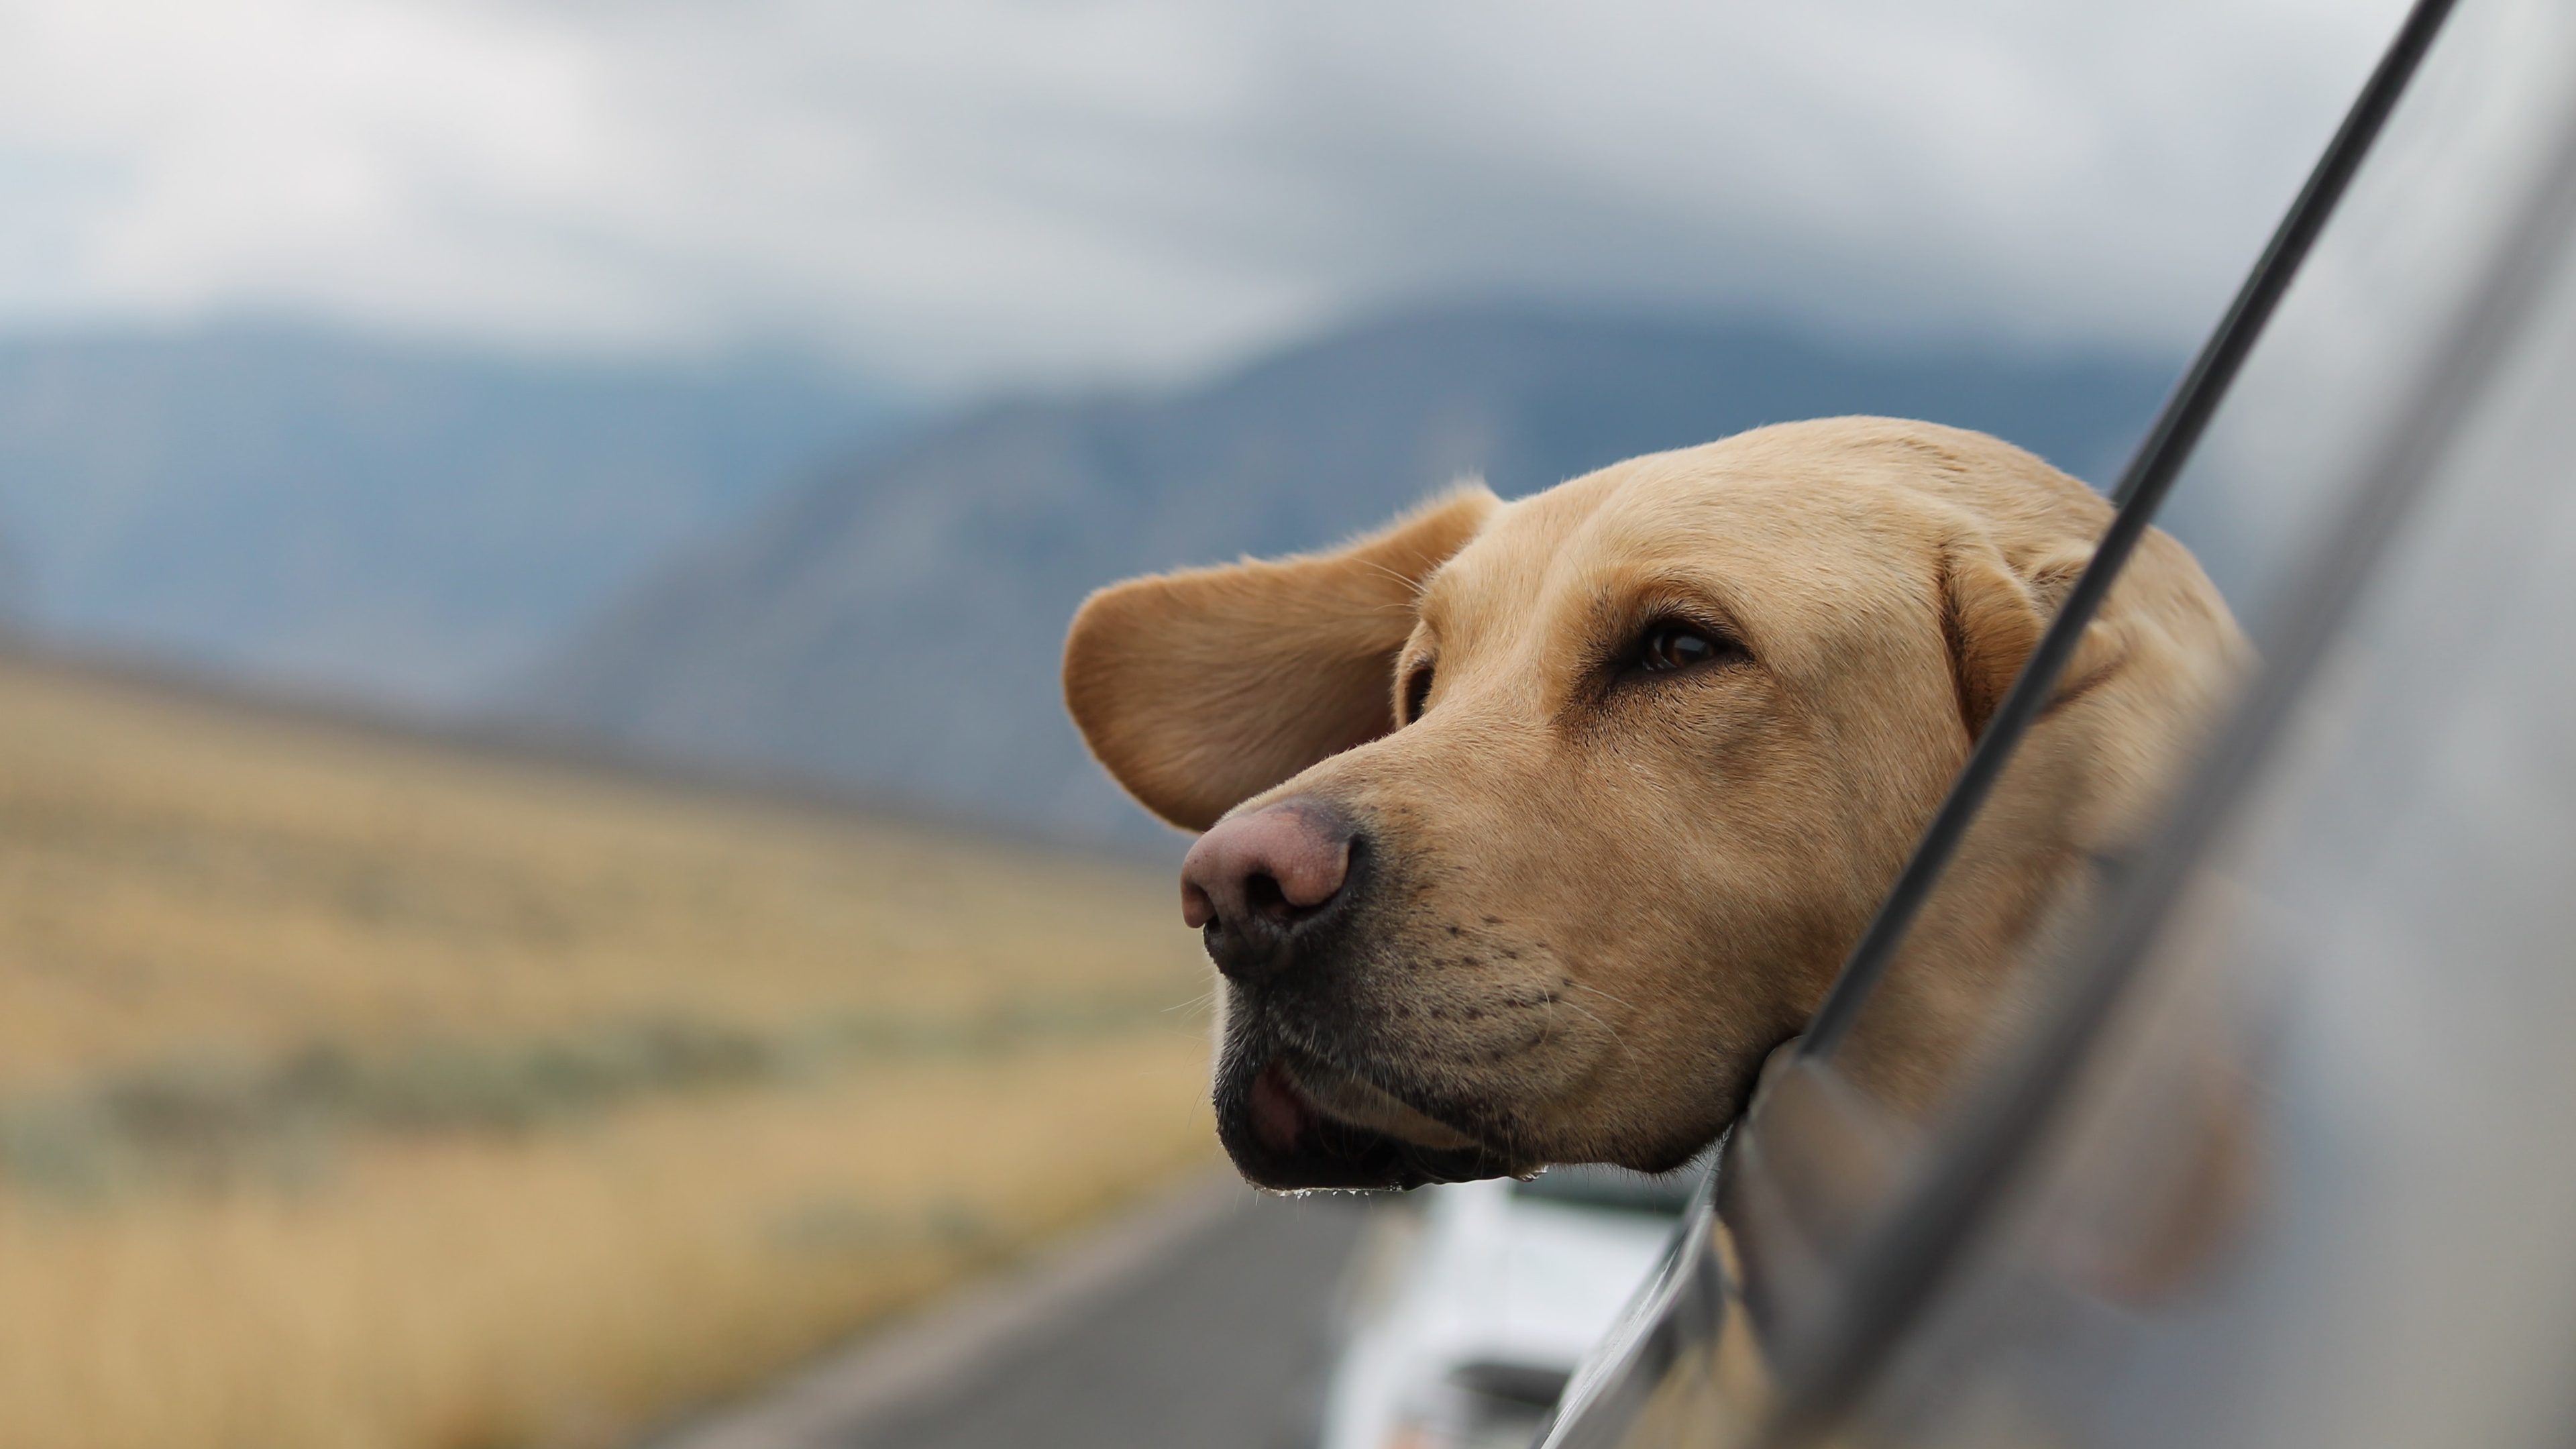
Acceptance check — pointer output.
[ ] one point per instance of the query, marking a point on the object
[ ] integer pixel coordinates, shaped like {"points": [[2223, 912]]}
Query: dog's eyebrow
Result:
{"points": [[1623, 606], [1431, 602]]}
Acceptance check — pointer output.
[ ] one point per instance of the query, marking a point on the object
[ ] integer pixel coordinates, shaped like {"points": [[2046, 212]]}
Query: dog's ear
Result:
{"points": [[1200, 689], [1993, 615]]}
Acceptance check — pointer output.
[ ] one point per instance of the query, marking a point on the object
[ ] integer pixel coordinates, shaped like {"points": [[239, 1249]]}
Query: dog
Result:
{"points": [[1532, 828]]}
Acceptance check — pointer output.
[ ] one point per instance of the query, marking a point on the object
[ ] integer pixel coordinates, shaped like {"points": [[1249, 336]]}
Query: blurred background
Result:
{"points": [[543, 879]]}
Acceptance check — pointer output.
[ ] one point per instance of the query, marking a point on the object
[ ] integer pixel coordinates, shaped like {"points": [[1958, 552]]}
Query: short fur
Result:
{"points": [[1592, 900]]}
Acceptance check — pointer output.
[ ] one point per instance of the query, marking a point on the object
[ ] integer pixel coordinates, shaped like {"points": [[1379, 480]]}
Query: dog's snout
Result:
{"points": [[1252, 880]]}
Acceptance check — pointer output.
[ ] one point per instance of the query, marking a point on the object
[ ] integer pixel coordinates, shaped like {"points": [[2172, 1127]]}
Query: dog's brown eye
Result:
{"points": [[1672, 644], [1417, 692]]}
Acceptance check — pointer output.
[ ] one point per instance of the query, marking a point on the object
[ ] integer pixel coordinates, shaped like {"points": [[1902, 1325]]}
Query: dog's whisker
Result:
{"points": [[1411, 584], [1199, 1002], [1604, 995], [1596, 1020]]}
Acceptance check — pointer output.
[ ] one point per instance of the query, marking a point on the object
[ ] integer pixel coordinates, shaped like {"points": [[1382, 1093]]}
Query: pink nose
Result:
{"points": [[1275, 862]]}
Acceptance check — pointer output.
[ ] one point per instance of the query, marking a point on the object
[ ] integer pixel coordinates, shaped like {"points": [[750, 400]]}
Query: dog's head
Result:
{"points": [[1532, 827]]}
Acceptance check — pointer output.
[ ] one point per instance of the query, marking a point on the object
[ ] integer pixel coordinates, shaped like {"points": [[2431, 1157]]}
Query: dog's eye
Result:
{"points": [[1417, 692], [1672, 644]]}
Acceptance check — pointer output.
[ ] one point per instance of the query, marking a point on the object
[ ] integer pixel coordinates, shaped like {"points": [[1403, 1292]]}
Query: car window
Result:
{"points": [[1955, 987], [2203, 1104], [2299, 1180], [2251, 496]]}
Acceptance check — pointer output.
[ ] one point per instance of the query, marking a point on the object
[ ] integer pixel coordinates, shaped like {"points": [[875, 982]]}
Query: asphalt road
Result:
{"points": [[1200, 1322]]}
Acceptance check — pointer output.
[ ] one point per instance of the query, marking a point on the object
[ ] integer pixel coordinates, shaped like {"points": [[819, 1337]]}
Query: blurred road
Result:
{"points": [[1198, 1322]]}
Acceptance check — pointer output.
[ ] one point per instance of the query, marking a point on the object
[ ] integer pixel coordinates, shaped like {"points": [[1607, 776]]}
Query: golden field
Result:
{"points": [[357, 1091]]}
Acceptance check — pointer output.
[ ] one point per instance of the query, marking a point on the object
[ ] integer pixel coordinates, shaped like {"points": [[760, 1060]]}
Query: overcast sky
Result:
{"points": [[966, 192]]}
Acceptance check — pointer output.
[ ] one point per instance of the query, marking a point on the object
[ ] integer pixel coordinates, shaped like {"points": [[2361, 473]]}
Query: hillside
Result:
{"points": [[358, 1091], [365, 518], [891, 628]]}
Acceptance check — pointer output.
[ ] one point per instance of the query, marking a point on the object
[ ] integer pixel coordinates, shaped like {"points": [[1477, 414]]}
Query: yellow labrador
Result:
{"points": [[1532, 827]]}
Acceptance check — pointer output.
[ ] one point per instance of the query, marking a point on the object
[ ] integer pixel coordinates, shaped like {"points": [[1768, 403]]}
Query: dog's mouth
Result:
{"points": [[1290, 1123]]}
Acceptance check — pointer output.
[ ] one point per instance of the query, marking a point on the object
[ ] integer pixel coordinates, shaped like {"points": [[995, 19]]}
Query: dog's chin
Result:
{"points": [[1293, 1125]]}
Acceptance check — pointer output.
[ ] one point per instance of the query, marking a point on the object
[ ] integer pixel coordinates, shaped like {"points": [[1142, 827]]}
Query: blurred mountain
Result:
{"points": [[892, 627], [390, 524]]}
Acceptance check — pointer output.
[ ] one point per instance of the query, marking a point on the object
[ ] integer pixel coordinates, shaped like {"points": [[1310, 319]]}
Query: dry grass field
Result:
{"points": [[372, 1094]]}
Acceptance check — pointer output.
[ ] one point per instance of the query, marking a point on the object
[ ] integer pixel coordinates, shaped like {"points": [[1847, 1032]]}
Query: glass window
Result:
{"points": [[2249, 1136]]}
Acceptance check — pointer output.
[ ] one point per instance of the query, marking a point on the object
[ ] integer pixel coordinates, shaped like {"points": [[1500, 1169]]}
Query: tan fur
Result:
{"points": [[1199, 688], [1598, 898]]}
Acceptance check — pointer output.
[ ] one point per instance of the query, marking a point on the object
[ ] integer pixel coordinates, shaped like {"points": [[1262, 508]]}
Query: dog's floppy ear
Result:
{"points": [[1200, 689], [1992, 617]]}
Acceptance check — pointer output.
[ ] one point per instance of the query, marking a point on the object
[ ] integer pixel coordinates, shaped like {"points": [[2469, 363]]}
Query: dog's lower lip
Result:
{"points": [[1275, 1124], [1281, 1114], [1328, 1095]]}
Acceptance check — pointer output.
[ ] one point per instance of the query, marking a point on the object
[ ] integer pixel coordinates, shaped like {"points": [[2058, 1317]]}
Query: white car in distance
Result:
{"points": [[1467, 1317]]}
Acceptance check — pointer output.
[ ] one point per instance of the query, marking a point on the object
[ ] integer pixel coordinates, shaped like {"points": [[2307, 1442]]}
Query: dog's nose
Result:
{"points": [[1250, 880]]}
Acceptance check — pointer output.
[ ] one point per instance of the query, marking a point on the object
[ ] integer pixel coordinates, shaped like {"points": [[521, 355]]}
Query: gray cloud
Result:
{"points": [[991, 189]]}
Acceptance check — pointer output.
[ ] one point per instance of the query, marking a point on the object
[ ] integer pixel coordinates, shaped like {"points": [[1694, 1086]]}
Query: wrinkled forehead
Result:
{"points": [[1766, 546]]}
